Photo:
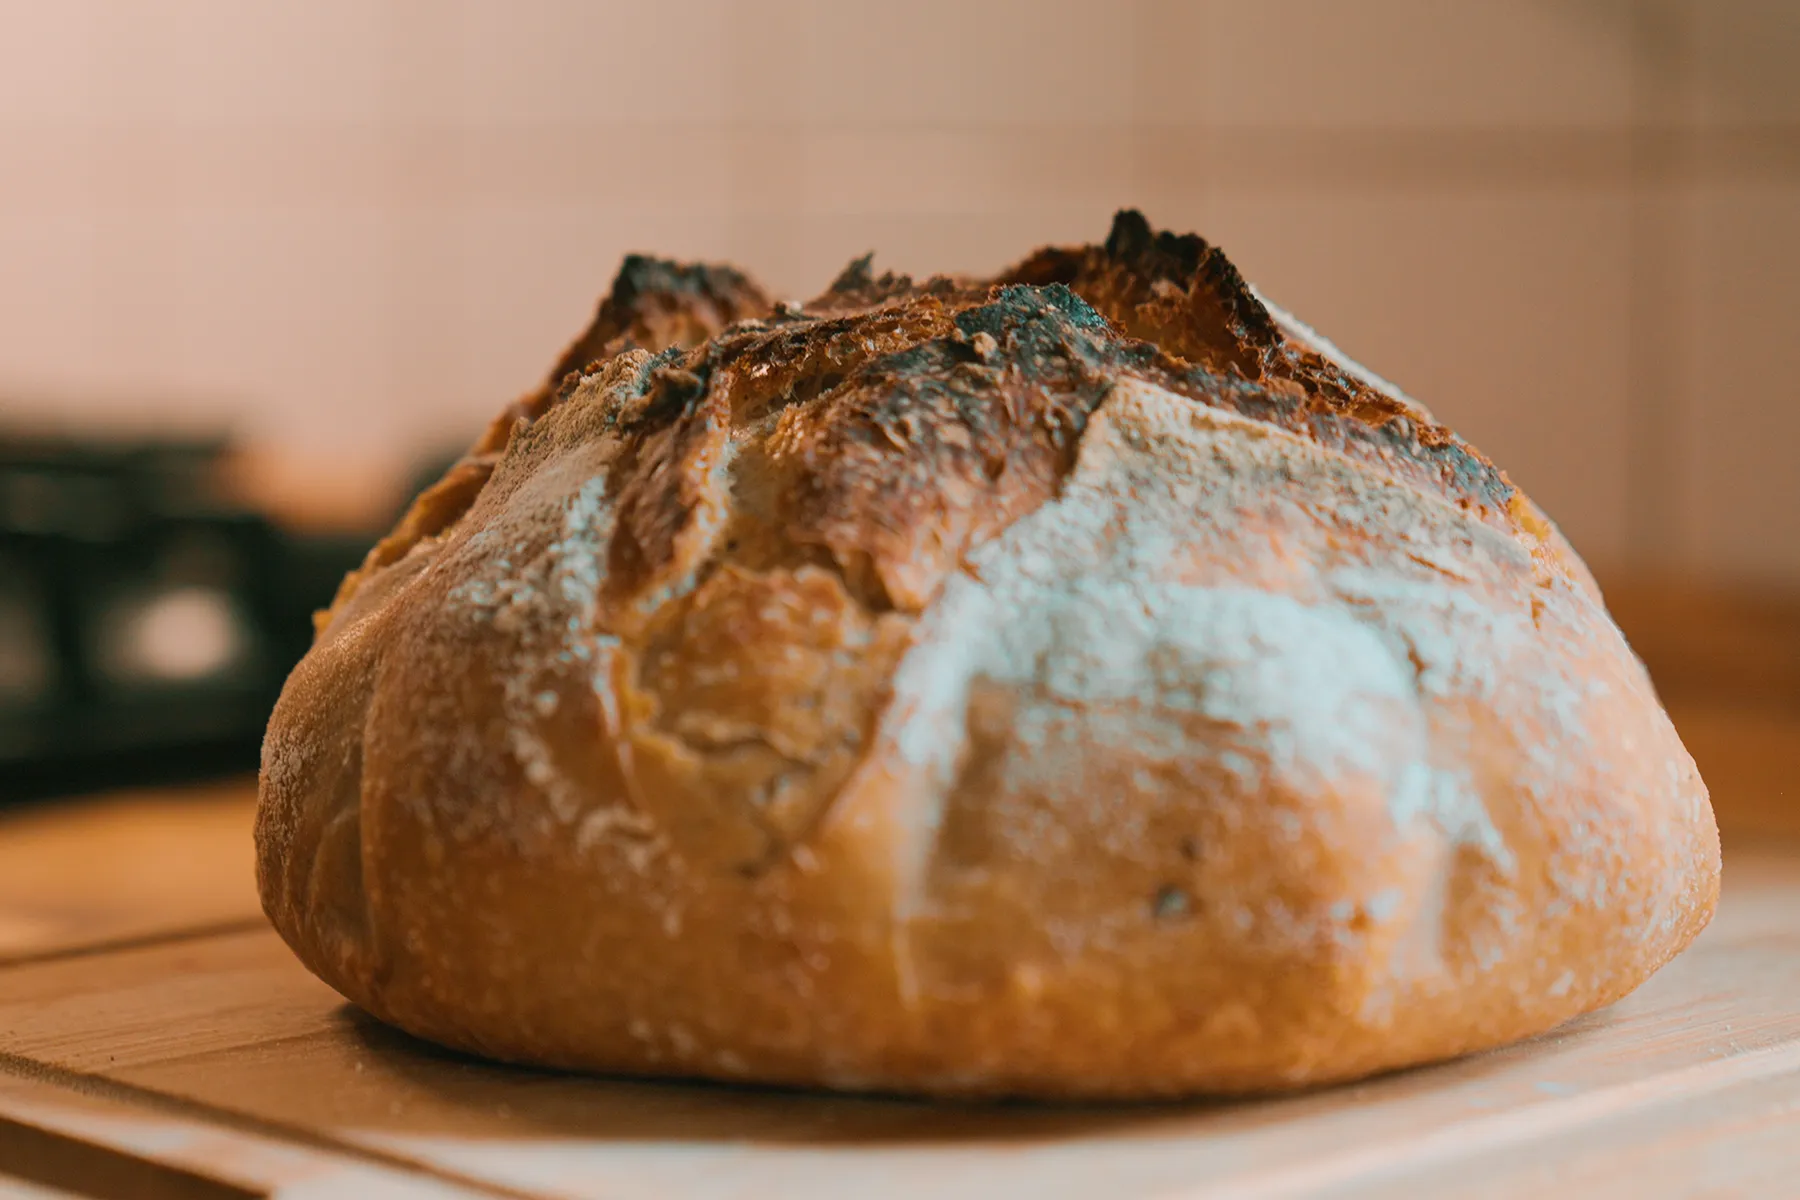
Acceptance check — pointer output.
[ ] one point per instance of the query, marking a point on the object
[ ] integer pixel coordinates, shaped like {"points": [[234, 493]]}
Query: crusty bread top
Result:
{"points": [[1081, 682], [997, 377]]}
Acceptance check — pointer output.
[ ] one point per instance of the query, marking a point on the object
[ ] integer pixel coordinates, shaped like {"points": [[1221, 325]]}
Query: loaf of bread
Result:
{"points": [[1083, 683]]}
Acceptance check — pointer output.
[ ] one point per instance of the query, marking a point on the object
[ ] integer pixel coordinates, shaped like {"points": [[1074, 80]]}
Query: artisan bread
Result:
{"points": [[1082, 683]]}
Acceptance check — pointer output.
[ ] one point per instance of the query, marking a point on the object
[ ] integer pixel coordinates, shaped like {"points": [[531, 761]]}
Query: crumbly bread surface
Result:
{"points": [[1082, 683]]}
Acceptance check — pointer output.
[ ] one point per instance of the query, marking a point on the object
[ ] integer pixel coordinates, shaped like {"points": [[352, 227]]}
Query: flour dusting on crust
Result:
{"points": [[1197, 573]]}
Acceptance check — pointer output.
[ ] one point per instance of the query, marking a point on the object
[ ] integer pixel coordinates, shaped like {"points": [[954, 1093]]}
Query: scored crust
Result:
{"points": [[1085, 682]]}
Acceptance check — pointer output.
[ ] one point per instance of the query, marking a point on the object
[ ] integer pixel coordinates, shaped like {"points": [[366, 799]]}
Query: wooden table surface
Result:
{"points": [[157, 1039]]}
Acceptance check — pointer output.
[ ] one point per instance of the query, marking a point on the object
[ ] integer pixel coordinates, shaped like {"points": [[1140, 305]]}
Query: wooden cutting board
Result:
{"points": [[156, 1039]]}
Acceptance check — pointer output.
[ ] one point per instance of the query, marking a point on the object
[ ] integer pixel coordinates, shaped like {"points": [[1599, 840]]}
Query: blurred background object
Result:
{"points": [[147, 618], [344, 232]]}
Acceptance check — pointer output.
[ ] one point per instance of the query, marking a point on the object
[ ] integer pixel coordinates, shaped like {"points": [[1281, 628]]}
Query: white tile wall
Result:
{"points": [[314, 336], [51, 80], [974, 170], [1741, 57], [552, 63], [183, 64], [1417, 63], [1739, 414], [50, 279], [955, 64]]}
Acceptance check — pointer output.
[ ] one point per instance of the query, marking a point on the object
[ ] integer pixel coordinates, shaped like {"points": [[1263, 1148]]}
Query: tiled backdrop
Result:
{"points": [[352, 228]]}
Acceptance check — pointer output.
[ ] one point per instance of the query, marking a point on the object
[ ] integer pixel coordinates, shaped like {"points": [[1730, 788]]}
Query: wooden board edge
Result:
{"points": [[106, 1140]]}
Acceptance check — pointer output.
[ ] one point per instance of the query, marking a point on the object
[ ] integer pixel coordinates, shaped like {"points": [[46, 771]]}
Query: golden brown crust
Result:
{"points": [[1084, 683]]}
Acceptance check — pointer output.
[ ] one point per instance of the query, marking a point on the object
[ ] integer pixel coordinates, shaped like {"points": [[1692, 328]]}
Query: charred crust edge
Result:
{"points": [[1071, 304]]}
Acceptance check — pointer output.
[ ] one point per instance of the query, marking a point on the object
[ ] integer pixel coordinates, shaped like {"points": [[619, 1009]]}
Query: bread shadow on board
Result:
{"points": [[444, 1091], [410, 1086]]}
